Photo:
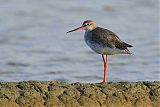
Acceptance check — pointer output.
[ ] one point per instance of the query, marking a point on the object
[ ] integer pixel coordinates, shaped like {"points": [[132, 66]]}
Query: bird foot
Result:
{"points": [[103, 82]]}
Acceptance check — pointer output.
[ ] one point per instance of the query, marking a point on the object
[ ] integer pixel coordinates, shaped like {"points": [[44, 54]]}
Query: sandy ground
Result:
{"points": [[62, 94]]}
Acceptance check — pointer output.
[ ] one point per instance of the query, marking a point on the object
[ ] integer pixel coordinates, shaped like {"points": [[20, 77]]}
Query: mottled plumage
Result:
{"points": [[107, 38]]}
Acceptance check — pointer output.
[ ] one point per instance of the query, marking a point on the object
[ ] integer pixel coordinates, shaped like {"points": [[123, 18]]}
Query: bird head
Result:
{"points": [[87, 25]]}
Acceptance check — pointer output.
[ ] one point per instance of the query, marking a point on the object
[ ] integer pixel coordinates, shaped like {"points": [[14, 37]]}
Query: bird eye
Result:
{"points": [[87, 24]]}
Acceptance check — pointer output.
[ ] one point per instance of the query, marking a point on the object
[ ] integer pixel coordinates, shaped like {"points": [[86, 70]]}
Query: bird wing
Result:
{"points": [[107, 37]]}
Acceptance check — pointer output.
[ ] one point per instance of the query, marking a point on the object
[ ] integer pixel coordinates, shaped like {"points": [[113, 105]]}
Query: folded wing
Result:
{"points": [[110, 39]]}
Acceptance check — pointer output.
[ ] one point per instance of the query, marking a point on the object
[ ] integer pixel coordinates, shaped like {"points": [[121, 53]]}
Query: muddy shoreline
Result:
{"points": [[62, 94]]}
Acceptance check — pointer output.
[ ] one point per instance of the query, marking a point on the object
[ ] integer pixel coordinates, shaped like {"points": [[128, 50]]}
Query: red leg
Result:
{"points": [[106, 67], [104, 62]]}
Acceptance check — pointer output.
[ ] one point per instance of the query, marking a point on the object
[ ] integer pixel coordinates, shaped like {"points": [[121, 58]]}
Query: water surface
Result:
{"points": [[34, 44]]}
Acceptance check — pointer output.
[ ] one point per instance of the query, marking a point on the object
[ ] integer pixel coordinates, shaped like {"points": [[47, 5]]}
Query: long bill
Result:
{"points": [[80, 28]]}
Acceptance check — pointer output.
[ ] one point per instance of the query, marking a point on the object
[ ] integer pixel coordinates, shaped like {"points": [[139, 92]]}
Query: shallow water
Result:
{"points": [[34, 45]]}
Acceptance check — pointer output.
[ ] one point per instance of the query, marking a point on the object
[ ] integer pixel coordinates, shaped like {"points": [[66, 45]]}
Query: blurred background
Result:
{"points": [[34, 44]]}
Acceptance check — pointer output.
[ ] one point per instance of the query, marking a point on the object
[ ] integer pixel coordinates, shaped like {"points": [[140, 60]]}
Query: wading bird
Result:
{"points": [[103, 41]]}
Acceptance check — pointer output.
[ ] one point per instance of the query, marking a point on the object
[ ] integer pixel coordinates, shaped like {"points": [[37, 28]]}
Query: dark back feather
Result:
{"points": [[108, 38]]}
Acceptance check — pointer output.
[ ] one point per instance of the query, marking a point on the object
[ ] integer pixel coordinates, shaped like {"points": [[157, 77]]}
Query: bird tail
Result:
{"points": [[127, 45], [127, 51]]}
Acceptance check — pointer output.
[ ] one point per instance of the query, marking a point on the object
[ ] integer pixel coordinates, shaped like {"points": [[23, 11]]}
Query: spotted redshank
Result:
{"points": [[103, 41]]}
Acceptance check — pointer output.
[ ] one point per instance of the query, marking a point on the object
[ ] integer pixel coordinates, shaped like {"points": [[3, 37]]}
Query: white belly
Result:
{"points": [[99, 48], [104, 50]]}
